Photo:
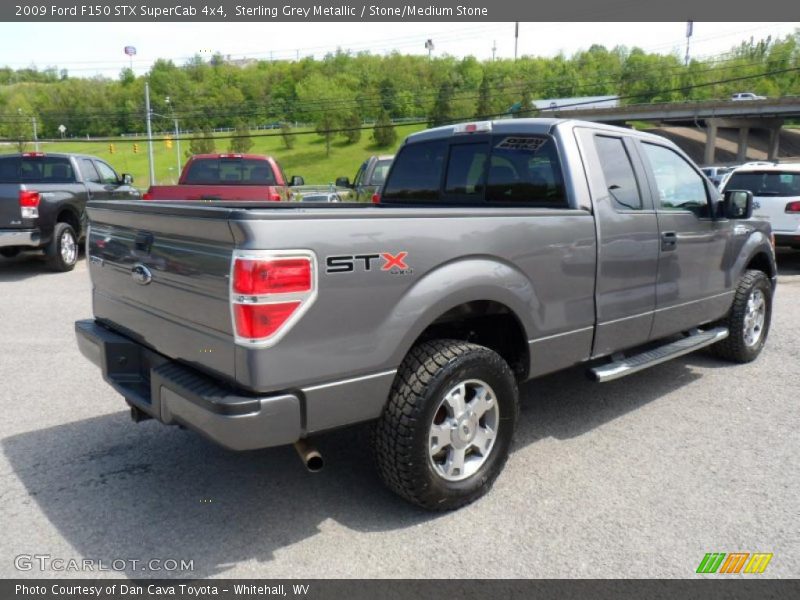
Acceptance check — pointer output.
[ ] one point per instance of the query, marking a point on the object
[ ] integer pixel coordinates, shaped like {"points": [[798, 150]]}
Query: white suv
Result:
{"points": [[776, 197]]}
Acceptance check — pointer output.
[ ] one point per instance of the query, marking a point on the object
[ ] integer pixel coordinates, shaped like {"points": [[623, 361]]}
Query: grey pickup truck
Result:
{"points": [[43, 200], [499, 252]]}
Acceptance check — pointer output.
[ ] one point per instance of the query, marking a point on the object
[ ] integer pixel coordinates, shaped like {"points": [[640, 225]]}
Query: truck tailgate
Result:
{"points": [[161, 278], [210, 192]]}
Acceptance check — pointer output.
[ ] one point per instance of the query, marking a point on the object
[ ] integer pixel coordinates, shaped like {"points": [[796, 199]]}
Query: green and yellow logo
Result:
{"points": [[735, 562]]}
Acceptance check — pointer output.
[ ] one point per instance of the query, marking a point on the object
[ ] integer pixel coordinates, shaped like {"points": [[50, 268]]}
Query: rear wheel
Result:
{"points": [[748, 319], [62, 253], [445, 434]]}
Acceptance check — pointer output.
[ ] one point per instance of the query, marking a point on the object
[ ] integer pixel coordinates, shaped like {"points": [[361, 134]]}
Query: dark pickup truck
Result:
{"points": [[43, 202], [500, 252]]}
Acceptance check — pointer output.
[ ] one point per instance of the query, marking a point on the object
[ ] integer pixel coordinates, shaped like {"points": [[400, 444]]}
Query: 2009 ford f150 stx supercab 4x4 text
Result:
{"points": [[499, 252]]}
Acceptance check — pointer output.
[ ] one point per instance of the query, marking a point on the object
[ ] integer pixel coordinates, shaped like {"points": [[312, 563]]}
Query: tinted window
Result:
{"points": [[359, 174], [525, 170], [107, 174], [466, 169], [88, 171], [679, 186], [36, 169], [230, 171], [417, 172], [618, 171], [766, 183]]}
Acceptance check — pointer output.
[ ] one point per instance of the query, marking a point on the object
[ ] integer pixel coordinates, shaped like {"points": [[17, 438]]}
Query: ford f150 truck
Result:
{"points": [[227, 177], [500, 251], [43, 200]]}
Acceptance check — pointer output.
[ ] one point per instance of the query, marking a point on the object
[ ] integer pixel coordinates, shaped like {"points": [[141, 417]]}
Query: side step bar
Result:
{"points": [[638, 362]]}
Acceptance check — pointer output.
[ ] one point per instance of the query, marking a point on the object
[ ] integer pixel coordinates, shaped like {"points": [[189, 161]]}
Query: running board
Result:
{"points": [[638, 362]]}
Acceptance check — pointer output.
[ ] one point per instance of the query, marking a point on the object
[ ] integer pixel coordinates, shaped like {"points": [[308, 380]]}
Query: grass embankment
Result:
{"points": [[307, 158]]}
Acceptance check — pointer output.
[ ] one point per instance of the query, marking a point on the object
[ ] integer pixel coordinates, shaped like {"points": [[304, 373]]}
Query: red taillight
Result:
{"points": [[376, 198], [279, 276], [793, 207], [29, 199], [258, 321], [147, 196], [269, 292]]}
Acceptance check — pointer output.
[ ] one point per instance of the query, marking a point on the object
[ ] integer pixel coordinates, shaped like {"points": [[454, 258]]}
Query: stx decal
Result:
{"points": [[348, 263]]}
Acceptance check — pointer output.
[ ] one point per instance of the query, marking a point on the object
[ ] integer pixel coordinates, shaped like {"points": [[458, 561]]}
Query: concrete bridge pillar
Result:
{"points": [[774, 143], [711, 141], [741, 150]]}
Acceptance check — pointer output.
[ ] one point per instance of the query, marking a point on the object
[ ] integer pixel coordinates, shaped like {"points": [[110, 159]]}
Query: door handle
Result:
{"points": [[669, 240]]}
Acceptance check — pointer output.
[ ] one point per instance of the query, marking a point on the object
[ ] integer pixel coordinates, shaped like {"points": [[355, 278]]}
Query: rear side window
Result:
{"points": [[766, 183], [38, 169], [525, 170], [417, 172], [618, 172], [380, 171], [230, 171]]}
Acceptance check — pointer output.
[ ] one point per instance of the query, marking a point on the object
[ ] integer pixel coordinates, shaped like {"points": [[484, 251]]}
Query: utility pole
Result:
{"points": [[35, 137], [177, 138], [494, 49], [516, 39], [689, 28], [149, 133]]}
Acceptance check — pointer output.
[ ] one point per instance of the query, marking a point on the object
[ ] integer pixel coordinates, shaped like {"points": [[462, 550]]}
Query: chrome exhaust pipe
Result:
{"points": [[310, 456]]}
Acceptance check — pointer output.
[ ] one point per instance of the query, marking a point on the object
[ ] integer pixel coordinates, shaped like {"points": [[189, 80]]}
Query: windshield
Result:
{"points": [[229, 171], [766, 183]]}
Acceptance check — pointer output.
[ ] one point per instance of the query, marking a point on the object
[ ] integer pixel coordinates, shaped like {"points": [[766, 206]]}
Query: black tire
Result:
{"points": [[9, 252], [736, 347], [56, 258], [401, 436]]}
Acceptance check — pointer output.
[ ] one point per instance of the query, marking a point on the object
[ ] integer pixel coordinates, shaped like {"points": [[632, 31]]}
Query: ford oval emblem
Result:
{"points": [[141, 274]]}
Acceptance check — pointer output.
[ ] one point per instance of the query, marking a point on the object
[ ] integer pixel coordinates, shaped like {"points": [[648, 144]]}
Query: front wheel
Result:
{"points": [[445, 434], [748, 319]]}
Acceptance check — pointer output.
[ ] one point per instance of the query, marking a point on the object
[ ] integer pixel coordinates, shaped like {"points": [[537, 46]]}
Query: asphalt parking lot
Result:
{"points": [[639, 477]]}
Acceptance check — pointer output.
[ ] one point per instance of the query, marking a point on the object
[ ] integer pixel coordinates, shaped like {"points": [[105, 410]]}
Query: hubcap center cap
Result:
{"points": [[465, 430]]}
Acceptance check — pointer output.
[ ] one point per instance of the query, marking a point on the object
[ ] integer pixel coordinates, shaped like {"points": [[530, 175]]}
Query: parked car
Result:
{"points": [[501, 251], [369, 177], [43, 200], [716, 174], [747, 96], [776, 197], [216, 177]]}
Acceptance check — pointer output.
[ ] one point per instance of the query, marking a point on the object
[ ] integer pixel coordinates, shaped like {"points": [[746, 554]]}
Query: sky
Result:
{"points": [[90, 49]]}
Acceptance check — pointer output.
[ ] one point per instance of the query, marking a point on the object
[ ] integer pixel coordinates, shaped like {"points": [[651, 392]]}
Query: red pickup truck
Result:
{"points": [[228, 177]]}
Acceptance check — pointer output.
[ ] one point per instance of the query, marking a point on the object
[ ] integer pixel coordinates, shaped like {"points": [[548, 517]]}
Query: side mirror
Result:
{"points": [[297, 180], [737, 204], [343, 182], [126, 179]]}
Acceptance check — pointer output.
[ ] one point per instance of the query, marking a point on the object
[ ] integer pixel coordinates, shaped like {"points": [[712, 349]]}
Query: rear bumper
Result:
{"points": [[20, 237], [175, 394], [787, 239]]}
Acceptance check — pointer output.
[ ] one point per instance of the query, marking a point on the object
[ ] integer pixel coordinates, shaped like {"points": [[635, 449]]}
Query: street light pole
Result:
{"points": [[35, 137], [149, 133], [177, 149]]}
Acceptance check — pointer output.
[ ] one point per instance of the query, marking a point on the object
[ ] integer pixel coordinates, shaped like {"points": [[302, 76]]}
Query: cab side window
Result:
{"points": [[107, 174], [678, 185], [88, 171], [615, 163]]}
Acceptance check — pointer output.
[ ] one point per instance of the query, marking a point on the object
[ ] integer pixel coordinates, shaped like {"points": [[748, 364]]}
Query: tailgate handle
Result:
{"points": [[143, 241]]}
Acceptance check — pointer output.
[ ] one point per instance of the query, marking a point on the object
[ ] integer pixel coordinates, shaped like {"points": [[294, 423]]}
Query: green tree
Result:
{"points": [[525, 106], [326, 102], [384, 132], [241, 142], [352, 126], [17, 123], [484, 107], [203, 144], [442, 112], [287, 135]]}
